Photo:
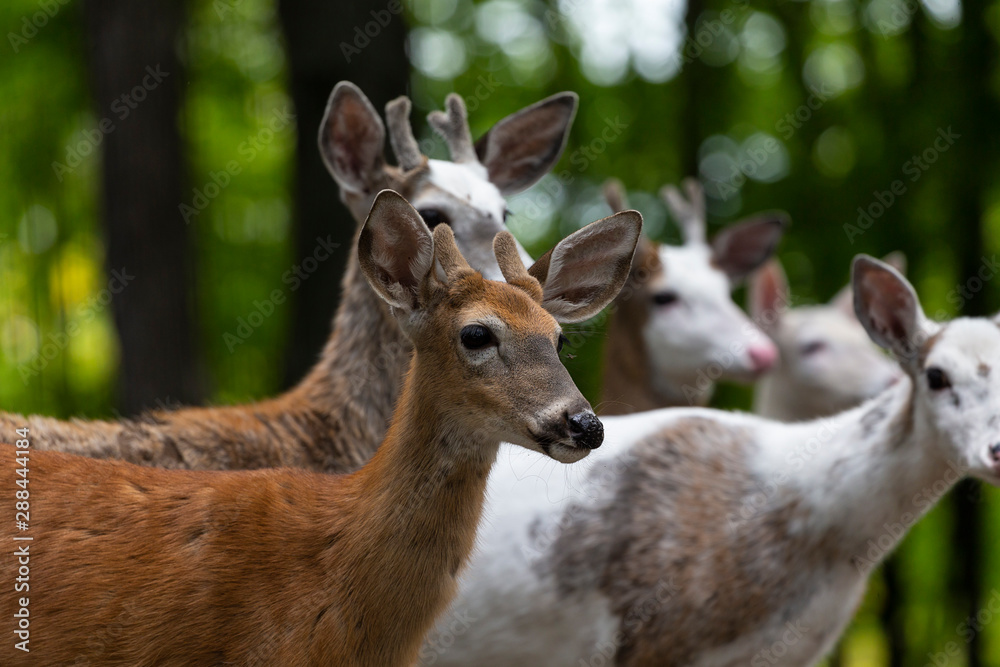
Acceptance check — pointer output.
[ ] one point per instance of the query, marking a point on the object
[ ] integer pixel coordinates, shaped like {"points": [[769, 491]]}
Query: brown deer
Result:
{"points": [[336, 417], [141, 566]]}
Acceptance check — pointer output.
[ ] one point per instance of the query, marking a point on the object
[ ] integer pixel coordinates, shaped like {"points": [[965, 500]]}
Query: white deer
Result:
{"points": [[675, 329], [705, 538], [826, 361]]}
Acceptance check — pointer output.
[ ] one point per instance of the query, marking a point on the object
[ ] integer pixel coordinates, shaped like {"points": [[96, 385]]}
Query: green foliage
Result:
{"points": [[851, 92]]}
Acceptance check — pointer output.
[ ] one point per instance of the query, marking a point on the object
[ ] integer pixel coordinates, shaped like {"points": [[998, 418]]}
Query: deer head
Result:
{"points": [[688, 317], [499, 342], [466, 193], [954, 367], [827, 362]]}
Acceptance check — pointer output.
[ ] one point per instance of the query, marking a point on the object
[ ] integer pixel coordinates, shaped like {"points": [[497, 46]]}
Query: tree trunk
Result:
{"points": [[974, 116], [328, 42], [136, 78]]}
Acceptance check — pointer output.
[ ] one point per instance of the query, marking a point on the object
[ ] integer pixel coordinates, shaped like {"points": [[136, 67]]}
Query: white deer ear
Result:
{"points": [[739, 249], [768, 295], [352, 139], [524, 146], [587, 269], [888, 308], [396, 251]]}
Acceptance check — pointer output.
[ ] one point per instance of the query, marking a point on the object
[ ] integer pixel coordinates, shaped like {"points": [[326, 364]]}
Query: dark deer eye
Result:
{"points": [[562, 341], [476, 337], [812, 348], [506, 214], [937, 379], [665, 298], [433, 217]]}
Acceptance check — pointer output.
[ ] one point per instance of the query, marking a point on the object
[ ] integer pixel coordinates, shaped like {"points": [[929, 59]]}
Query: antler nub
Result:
{"points": [[453, 127], [404, 144], [690, 212], [614, 194], [511, 266]]}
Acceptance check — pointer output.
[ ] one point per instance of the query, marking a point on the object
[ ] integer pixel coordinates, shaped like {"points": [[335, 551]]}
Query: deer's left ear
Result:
{"points": [[768, 291], [587, 269], [524, 146], [396, 251], [740, 249], [888, 308]]}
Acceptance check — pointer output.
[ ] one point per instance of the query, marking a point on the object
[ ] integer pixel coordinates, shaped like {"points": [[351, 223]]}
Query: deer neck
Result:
{"points": [[421, 500], [360, 372], [630, 383], [777, 397], [873, 472]]}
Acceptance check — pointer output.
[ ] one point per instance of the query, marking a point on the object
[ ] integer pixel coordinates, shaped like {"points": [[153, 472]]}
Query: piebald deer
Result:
{"points": [[826, 362], [333, 420], [292, 567], [675, 328], [705, 538]]}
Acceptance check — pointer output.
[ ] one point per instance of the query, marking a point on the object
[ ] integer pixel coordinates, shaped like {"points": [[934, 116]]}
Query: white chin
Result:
{"points": [[567, 454]]}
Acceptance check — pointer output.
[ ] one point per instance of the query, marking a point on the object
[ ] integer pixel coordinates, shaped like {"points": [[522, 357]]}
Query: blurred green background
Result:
{"points": [[814, 106]]}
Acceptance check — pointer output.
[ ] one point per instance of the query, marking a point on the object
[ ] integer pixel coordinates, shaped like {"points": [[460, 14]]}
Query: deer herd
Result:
{"points": [[405, 503]]}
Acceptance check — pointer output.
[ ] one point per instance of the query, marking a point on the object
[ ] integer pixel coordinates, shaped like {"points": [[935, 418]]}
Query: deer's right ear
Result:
{"points": [[587, 269], [396, 251], [352, 139], [524, 146], [888, 308], [768, 295]]}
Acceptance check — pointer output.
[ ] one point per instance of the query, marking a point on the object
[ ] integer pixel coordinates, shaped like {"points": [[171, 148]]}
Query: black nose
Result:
{"points": [[995, 451], [586, 429]]}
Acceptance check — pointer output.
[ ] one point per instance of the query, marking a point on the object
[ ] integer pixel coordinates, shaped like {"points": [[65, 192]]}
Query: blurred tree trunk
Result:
{"points": [[973, 117], [136, 77], [362, 42]]}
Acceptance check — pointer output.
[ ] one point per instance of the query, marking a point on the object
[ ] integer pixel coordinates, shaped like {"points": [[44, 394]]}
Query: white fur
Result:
{"points": [[475, 210], [827, 364], [704, 335], [858, 473]]}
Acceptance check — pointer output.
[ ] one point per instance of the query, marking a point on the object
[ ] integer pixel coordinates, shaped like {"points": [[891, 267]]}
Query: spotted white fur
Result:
{"points": [[846, 489]]}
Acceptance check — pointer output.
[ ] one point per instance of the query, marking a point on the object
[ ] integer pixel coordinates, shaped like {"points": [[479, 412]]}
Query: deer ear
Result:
{"points": [[522, 147], [352, 139], [768, 295], [888, 308], [587, 269], [396, 251], [739, 249]]}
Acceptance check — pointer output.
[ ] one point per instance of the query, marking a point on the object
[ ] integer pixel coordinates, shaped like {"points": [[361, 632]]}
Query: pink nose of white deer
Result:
{"points": [[762, 357]]}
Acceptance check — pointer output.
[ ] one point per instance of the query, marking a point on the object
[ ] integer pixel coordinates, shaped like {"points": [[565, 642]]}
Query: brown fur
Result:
{"points": [[628, 383], [667, 521], [332, 421], [140, 566]]}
